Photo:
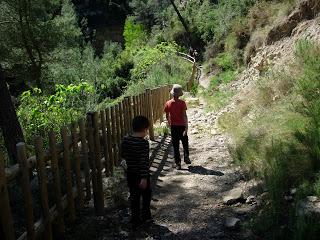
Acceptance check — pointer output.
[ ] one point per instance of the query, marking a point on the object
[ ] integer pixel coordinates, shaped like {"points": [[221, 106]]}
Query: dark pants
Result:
{"points": [[177, 135], [135, 195]]}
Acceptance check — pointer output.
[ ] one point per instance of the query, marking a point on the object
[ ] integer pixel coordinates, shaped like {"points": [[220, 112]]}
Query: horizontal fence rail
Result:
{"points": [[196, 71], [72, 171]]}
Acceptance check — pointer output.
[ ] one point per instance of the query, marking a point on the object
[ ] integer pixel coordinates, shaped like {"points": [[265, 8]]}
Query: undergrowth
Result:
{"points": [[276, 134]]}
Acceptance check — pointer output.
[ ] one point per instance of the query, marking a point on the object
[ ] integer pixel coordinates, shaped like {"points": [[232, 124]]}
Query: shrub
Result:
{"points": [[38, 113], [134, 34]]}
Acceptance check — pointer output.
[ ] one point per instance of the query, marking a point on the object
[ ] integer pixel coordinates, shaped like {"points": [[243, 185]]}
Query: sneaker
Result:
{"points": [[178, 166], [187, 160]]}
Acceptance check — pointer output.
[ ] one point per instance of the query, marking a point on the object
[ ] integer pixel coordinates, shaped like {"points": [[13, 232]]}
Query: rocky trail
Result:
{"points": [[208, 199]]}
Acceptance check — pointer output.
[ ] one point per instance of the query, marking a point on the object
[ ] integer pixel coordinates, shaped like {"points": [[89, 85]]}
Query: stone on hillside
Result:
{"points": [[194, 131], [293, 191], [193, 101], [233, 196], [250, 199], [306, 9], [214, 131], [309, 206], [232, 222]]}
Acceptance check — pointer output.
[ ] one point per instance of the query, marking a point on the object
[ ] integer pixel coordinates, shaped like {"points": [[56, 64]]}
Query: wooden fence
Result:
{"points": [[196, 71], [89, 151]]}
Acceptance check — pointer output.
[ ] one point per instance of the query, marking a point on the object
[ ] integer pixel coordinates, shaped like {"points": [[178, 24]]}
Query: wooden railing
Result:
{"points": [[89, 151], [196, 71]]}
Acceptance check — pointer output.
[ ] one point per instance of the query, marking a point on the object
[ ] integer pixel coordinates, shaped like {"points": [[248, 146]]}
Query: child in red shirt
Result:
{"points": [[176, 114]]}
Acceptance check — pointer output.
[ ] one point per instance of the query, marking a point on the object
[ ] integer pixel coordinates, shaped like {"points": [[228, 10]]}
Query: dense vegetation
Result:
{"points": [[56, 72], [60, 66]]}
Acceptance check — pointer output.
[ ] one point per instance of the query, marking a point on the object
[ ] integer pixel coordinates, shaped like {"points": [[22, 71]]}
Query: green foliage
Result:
{"points": [[28, 46], [168, 71], [214, 20], [280, 144], [38, 113], [216, 99], [148, 56], [134, 34]]}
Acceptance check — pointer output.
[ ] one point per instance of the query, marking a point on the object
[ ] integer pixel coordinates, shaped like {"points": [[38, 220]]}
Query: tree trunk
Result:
{"points": [[182, 21], [9, 123]]}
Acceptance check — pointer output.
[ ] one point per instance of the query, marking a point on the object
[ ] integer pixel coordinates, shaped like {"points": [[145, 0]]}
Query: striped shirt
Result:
{"points": [[135, 150]]}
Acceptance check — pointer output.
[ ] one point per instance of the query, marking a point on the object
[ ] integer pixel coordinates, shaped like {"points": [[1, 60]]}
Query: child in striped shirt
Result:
{"points": [[135, 151]]}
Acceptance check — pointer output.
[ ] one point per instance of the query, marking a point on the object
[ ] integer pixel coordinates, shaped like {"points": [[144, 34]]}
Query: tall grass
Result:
{"points": [[169, 71], [276, 132]]}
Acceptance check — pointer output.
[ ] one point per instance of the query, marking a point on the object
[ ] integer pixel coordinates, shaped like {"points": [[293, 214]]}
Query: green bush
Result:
{"points": [[38, 113], [134, 35], [280, 143], [168, 71], [148, 56]]}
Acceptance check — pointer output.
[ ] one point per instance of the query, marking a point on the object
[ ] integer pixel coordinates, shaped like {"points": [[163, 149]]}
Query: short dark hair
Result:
{"points": [[140, 123]]}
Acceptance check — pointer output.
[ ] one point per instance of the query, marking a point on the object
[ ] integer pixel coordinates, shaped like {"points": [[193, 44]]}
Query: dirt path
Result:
{"points": [[187, 203]]}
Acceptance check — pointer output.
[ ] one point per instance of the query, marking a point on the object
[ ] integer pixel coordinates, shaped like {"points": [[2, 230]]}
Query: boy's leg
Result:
{"points": [[185, 144], [133, 183], [176, 142], [146, 200]]}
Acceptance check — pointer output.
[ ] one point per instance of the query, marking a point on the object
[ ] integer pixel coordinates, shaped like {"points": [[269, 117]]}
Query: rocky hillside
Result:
{"points": [[276, 56]]}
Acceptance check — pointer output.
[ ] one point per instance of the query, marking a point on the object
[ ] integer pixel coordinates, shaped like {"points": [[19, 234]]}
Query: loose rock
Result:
{"points": [[233, 196], [232, 222]]}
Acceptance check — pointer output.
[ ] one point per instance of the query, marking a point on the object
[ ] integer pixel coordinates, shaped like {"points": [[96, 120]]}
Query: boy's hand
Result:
{"points": [[185, 132], [143, 183]]}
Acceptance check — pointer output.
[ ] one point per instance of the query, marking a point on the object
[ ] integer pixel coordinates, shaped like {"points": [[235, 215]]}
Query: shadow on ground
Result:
{"points": [[173, 204], [203, 171]]}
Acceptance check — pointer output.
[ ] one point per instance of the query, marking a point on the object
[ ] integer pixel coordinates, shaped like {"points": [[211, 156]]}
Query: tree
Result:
{"points": [[182, 21], [10, 126], [32, 30]]}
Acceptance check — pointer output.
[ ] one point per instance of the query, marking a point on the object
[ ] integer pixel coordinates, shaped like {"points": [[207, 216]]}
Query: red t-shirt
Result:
{"points": [[175, 109]]}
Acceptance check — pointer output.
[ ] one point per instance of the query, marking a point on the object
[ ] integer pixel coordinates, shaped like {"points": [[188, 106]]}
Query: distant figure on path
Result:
{"points": [[135, 152], [177, 118]]}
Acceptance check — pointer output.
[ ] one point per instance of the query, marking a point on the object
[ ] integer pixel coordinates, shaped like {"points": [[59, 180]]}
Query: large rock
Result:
{"points": [[232, 222], [233, 196], [310, 207], [307, 9]]}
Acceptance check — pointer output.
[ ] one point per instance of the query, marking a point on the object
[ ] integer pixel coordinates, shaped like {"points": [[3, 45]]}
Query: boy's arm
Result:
{"points": [[168, 118], [144, 167], [144, 162], [167, 113], [185, 118]]}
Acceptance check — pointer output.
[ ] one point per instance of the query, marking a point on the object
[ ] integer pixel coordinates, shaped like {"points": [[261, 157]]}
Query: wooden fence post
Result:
{"points": [[145, 103], [97, 148], [76, 156], [85, 157], [5, 216], [150, 115], [109, 138], [139, 97], [135, 101], [118, 134], [161, 103], [120, 120], [56, 183], [68, 173], [26, 189], [114, 135], [127, 115], [105, 142], [92, 164], [43, 179], [131, 113], [121, 112]]}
